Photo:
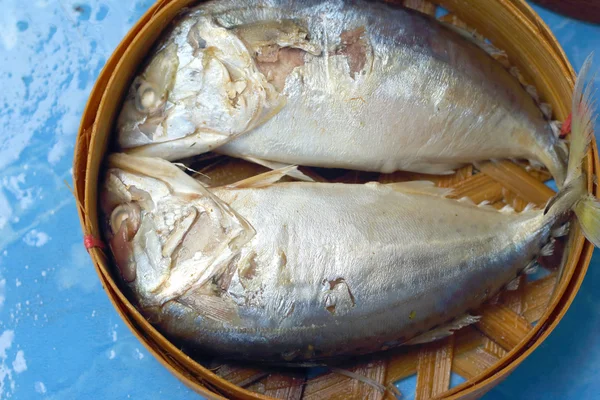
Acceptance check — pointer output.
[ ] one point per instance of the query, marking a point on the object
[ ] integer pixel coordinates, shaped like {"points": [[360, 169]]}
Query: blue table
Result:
{"points": [[59, 336]]}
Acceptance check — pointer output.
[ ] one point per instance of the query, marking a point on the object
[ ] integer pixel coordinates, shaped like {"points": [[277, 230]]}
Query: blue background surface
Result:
{"points": [[59, 336]]}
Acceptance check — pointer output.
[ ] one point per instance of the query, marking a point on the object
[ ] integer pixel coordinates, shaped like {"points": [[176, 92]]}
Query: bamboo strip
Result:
{"points": [[517, 180], [478, 188], [537, 296], [513, 200], [503, 325], [513, 299], [289, 386], [433, 368], [335, 386], [402, 365], [472, 363], [421, 5], [240, 375], [459, 176]]}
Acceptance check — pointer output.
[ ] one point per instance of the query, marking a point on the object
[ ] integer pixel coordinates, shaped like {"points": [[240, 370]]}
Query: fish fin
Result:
{"points": [[531, 268], [588, 215], [546, 110], [466, 200], [548, 249], [582, 123], [556, 127], [217, 308], [507, 209], [262, 180], [159, 169], [530, 207], [533, 93], [294, 173], [514, 284], [561, 231], [485, 204], [444, 330], [422, 187], [470, 36], [574, 194]]}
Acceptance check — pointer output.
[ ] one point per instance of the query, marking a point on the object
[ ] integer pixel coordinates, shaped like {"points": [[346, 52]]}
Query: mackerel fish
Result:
{"points": [[343, 84]]}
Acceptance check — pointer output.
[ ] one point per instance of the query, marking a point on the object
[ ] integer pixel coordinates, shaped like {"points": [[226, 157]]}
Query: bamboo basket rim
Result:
{"points": [[566, 291]]}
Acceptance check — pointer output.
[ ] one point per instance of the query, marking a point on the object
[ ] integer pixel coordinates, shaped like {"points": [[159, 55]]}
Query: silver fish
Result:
{"points": [[299, 272], [345, 84]]}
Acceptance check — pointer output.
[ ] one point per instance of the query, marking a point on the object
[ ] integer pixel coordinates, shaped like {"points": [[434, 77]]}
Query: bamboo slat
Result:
{"points": [[433, 368], [289, 386], [423, 6], [518, 181], [336, 386], [240, 375], [504, 326]]}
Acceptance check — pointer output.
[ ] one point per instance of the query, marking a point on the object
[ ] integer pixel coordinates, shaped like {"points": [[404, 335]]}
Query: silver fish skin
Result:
{"points": [[321, 270], [345, 84]]}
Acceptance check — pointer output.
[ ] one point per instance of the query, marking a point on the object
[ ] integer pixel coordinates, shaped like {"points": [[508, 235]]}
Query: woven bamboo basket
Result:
{"points": [[512, 325]]}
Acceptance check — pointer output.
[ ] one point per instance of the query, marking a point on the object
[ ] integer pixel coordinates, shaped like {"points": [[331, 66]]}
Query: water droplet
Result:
{"points": [[22, 26]]}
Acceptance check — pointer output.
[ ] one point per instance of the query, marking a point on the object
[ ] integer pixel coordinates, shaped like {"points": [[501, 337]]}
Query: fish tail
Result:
{"points": [[574, 194]]}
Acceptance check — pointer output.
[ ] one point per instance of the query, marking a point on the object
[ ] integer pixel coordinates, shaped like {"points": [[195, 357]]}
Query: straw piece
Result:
{"points": [[421, 5], [517, 180], [289, 386], [335, 386], [433, 368], [503, 325]]}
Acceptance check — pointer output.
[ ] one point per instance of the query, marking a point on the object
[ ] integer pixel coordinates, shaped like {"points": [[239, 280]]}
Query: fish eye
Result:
{"points": [[147, 98]]}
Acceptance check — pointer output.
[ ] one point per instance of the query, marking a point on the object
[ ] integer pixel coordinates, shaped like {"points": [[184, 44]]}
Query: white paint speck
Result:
{"points": [[114, 335], [17, 282], [112, 355], [6, 340], [19, 364], [93, 313], [139, 354], [43, 273], [5, 253], [27, 267], [35, 238], [40, 387]]}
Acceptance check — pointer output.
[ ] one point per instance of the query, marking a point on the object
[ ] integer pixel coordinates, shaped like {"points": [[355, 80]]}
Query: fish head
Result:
{"points": [[201, 89], [166, 232]]}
